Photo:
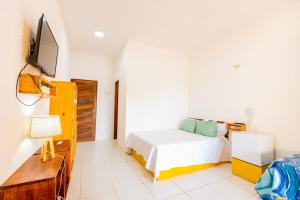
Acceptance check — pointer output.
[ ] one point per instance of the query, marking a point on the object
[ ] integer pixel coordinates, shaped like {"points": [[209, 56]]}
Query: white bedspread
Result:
{"points": [[166, 149]]}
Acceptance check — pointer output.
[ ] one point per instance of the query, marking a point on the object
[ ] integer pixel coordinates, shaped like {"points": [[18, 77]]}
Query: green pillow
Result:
{"points": [[188, 125], [207, 128]]}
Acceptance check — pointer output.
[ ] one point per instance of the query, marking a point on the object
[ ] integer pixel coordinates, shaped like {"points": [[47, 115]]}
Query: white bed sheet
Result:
{"points": [[167, 149]]}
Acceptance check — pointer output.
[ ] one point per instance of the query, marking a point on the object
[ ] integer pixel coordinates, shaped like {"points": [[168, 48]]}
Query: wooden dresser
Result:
{"points": [[38, 180], [63, 149]]}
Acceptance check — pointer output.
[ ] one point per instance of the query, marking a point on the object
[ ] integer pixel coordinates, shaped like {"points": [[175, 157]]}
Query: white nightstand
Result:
{"points": [[251, 154]]}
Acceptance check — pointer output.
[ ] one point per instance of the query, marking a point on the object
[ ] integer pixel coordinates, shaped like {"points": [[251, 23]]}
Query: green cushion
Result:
{"points": [[188, 125], [207, 128]]}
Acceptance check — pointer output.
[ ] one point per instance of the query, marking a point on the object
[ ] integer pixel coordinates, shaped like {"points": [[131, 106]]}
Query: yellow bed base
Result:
{"points": [[174, 171]]}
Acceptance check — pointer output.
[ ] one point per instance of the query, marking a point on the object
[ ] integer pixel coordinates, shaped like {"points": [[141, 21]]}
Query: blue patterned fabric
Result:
{"points": [[281, 179]]}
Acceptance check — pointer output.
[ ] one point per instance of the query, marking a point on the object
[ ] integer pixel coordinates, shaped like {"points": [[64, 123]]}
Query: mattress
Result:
{"points": [[167, 149]]}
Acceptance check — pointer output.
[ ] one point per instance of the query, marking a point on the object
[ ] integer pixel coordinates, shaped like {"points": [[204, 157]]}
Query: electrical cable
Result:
{"points": [[58, 197], [60, 182], [35, 83]]}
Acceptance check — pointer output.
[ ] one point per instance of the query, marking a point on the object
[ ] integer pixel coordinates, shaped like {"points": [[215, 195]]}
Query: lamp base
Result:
{"points": [[44, 149]]}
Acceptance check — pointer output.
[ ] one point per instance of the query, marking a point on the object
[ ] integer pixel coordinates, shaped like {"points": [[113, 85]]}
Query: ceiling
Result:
{"points": [[182, 25]]}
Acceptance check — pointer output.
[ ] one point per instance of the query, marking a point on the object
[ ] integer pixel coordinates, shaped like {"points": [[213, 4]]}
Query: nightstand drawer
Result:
{"points": [[247, 170]]}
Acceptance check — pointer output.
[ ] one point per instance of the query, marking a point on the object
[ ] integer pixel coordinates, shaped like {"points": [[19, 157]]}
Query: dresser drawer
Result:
{"points": [[247, 170], [33, 191]]}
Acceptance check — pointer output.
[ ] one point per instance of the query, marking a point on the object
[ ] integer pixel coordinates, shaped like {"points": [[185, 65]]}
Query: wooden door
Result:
{"points": [[116, 110], [86, 109]]}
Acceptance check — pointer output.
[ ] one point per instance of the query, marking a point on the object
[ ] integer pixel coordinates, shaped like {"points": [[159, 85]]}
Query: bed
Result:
{"points": [[281, 180], [169, 153]]}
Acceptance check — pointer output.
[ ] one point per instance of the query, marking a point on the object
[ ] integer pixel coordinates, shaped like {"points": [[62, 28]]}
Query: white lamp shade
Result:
{"points": [[45, 126]]}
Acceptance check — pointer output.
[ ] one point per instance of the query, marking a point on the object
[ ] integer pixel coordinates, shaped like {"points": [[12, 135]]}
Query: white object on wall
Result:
{"points": [[255, 148], [250, 112]]}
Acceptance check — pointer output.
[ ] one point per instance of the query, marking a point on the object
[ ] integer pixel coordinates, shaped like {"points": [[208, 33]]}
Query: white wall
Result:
{"points": [[268, 79], [156, 88], [90, 67], [18, 21], [121, 63]]}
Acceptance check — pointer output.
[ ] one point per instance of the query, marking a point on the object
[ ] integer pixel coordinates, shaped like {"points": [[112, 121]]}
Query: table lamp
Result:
{"points": [[45, 127]]}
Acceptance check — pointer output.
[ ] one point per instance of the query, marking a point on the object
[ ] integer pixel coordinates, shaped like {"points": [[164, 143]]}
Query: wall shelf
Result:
{"points": [[27, 85], [236, 126]]}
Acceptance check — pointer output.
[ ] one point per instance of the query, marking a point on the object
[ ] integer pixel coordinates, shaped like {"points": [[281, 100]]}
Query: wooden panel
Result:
{"points": [[86, 109], [37, 191], [247, 170], [84, 115], [236, 126], [27, 84]]}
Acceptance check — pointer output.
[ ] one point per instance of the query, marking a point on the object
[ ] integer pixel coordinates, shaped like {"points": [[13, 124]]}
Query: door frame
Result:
{"points": [[116, 109], [96, 104]]}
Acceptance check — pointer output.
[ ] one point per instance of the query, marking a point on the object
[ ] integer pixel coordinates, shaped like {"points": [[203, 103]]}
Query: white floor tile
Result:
{"points": [[92, 160], [107, 156], [223, 170], [76, 175], [106, 196], [138, 192], [118, 166], [205, 193], [163, 189], [125, 178], [103, 171], [144, 175], [207, 176], [231, 190], [115, 161], [187, 182], [73, 192], [135, 165], [254, 197], [96, 187], [93, 174], [180, 197], [77, 162], [243, 183], [127, 156]]}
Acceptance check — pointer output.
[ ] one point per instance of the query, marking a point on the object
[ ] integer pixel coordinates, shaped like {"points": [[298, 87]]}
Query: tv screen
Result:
{"points": [[45, 50]]}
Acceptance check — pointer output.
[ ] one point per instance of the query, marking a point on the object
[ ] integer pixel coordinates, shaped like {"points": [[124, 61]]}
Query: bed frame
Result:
{"points": [[166, 174], [178, 171]]}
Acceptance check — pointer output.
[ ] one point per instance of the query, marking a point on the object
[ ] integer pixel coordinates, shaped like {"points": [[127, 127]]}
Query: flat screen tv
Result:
{"points": [[44, 50]]}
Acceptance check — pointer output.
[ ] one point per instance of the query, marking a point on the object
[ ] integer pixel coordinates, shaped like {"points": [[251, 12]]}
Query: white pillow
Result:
{"points": [[222, 130]]}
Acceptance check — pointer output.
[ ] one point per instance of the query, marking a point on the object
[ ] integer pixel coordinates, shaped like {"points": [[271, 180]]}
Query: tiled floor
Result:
{"points": [[103, 172]]}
